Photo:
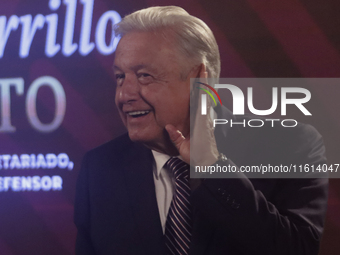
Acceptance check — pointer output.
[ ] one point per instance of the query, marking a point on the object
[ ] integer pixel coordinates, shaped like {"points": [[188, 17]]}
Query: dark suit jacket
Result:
{"points": [[116, 209]]}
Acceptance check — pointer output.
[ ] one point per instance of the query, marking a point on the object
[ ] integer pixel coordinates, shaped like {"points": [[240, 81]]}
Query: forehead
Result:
{"points": [[141, 48]]}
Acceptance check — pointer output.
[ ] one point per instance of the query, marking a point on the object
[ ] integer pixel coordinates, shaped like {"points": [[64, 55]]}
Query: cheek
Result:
{"points": [[150, 92], [153, 97]]}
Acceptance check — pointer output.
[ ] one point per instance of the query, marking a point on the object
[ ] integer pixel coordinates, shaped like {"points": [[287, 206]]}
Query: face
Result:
{"points": [[151, 91]]}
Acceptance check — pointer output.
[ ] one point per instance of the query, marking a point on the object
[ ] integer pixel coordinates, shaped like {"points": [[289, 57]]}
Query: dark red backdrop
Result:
{"points": [[257, 38]]}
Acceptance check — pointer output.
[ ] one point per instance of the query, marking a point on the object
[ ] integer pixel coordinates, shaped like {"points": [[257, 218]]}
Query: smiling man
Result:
{"points": [[151, 91], [134, 194]]}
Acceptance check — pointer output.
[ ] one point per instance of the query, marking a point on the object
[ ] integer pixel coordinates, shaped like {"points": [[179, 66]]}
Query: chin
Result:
{"points": [[138, 137], [150, 140], [135, 138]]}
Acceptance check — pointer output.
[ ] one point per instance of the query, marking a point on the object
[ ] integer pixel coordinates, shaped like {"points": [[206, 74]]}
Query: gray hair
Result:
{"points": [[194, 38]]}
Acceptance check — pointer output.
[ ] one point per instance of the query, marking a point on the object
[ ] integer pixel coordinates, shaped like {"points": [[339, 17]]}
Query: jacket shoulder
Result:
{"points": [[278, 144], [116, 145], [110, 152]]}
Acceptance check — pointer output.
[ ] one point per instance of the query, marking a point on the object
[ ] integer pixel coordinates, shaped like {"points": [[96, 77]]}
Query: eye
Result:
{"points": [[119, 78], [143, 75], [144, 78]]}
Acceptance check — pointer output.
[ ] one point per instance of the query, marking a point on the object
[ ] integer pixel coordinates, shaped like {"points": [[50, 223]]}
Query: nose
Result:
{"points": [[128, 91]]}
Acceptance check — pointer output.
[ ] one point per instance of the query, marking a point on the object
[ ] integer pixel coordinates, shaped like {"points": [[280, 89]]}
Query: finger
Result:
{"points": [[203, 119], [201, 77], [203, 74], [204, 79]]}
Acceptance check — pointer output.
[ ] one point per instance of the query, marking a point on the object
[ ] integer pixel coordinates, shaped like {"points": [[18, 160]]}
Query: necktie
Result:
{"points": [[179, 221]]}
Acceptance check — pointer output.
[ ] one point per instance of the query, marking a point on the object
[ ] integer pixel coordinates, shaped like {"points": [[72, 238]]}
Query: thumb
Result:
{"points": [[175, 135]]}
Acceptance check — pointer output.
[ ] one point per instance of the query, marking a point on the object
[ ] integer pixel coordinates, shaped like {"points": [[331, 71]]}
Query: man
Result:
{"points": [[129, 198]]}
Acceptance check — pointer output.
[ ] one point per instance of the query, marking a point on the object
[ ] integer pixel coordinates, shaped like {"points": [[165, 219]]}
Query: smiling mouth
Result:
{"points": [[136, 114]]}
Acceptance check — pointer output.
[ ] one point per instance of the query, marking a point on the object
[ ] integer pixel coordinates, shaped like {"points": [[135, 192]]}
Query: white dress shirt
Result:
{"points": [[164, 185], [164, 181]]}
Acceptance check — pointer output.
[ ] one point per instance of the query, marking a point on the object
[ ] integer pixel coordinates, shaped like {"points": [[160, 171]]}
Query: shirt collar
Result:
{"points": [[160, 160]]}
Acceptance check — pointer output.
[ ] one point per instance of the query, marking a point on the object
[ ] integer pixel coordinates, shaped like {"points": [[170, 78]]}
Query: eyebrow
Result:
{"points": [[134, 68], [114, 67]]}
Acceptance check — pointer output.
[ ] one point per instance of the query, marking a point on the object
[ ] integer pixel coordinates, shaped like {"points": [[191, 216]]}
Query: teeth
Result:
{"points": [[138, 113]]}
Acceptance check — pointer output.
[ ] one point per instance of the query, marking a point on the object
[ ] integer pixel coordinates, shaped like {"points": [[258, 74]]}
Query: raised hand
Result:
{"points": [[201, 141]]}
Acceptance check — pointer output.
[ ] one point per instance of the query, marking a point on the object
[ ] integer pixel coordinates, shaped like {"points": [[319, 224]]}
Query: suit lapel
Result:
{"points": [[141, 191]]}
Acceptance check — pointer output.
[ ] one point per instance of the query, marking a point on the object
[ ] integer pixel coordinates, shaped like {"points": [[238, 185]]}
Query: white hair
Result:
{"points": [[194, 38]]}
